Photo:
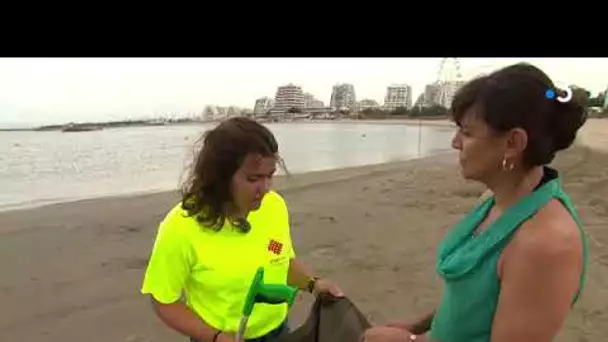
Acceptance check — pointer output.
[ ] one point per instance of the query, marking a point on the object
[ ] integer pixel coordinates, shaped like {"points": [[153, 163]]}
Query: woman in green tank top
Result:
{"points": [[515, 264]]}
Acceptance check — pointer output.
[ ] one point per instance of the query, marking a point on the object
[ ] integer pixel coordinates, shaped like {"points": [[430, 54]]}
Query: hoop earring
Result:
{"points": [[504, 165]]}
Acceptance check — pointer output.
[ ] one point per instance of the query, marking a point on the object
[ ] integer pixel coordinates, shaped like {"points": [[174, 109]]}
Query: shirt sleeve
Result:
{"points": [[170, 263], [291, 253]]}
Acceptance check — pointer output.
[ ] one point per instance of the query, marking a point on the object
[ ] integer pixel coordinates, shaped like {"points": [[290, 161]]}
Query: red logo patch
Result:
{"points": [[275, 247]]}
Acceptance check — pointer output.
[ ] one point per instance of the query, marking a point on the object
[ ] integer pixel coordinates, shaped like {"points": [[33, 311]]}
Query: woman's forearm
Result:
{"points": [[179, 317], [299, 275], [418, 327]]}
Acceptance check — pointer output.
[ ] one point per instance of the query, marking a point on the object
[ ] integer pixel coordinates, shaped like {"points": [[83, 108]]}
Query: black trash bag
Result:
{"points": [[330, 320]]}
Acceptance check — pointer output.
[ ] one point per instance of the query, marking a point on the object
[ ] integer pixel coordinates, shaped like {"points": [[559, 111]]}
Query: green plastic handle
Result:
{"points": [[276, 294], [267, 293]]}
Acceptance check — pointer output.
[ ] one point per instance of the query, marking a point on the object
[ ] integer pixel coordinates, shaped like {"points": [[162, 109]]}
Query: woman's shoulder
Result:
{"points": [[177, 212], [176, 220], [275, 200], [551, 232]]}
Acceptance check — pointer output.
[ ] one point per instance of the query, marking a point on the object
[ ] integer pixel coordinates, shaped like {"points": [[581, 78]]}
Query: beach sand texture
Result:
{"points": [[72, 272]]}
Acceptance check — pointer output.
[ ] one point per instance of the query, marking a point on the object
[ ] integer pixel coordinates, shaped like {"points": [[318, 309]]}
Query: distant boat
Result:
{"points": [[81, 128]]}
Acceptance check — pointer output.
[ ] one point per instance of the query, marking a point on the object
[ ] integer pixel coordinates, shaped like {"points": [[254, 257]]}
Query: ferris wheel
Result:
{"points": [[449, 71], [449, 80]]}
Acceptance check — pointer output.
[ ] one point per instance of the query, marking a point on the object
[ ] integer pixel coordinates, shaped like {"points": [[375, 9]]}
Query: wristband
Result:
{"points": [[217, 333]]}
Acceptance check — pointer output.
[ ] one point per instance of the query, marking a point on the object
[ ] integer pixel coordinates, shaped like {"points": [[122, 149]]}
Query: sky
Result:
{"points": [[59, 90]]}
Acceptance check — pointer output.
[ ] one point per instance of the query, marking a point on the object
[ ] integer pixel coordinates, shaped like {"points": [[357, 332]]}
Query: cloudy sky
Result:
{"points": [[42, 91]]}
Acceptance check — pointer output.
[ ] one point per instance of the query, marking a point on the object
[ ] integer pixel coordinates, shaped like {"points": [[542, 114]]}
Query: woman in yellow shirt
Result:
{"points": [[228, 224]]}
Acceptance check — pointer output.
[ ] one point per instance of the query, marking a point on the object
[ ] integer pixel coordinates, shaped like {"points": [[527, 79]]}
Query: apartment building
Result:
{"points": [[212, 112], [367, 104], [311, 102], [447, 90], [398, 95], [288, 97], [431, 95], [262, 106], [343, 97]]}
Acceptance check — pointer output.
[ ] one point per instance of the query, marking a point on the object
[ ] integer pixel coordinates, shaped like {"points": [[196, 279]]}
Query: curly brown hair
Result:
{"points": [[207, 189]]}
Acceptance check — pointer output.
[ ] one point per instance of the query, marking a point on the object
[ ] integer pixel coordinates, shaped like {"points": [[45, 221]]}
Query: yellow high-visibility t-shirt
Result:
{"points": [[212, 270]]}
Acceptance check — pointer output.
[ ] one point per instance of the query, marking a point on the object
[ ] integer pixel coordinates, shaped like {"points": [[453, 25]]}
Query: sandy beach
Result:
{"points": [[72, 271]]}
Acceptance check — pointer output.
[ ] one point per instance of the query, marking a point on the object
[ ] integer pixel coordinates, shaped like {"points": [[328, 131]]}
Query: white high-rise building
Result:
{"points": [[605, 99], [343, 97], [447, 90], [311, 102], [262, 106], [367, 104], [288, 97], [398, 95], [431, 95], [214, 112]]}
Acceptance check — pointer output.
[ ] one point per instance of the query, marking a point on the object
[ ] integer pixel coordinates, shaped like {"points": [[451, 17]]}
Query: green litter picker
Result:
{"points": [[263, 293]]}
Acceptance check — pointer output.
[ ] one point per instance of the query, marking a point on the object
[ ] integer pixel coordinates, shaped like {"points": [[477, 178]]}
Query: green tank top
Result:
{"points": [[468, 265]]}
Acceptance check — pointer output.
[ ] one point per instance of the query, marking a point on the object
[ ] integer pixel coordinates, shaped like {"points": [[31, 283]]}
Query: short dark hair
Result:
{"points": [[223, 150], [515, 97]]}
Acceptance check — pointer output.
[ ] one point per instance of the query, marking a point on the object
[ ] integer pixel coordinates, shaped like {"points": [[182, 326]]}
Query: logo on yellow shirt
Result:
{"points": [[275, 246]]}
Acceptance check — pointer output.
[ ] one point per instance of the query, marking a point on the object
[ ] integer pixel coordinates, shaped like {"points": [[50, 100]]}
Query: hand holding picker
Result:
{"points": [[263, 293]]}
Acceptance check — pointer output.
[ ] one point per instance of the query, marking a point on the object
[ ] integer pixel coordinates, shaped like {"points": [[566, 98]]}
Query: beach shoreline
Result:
{"points": [[441, 121], [69, 176], [72, 271], [280, 180], [591, 135]]}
